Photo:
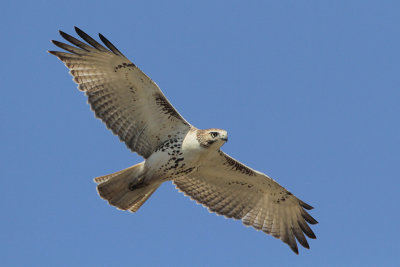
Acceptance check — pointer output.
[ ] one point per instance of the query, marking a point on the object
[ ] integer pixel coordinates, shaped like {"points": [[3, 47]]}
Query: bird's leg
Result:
{"points": [[137, 183]]}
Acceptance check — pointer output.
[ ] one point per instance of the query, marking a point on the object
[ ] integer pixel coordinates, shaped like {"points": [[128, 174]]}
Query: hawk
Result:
{"points": [[134, 108]]}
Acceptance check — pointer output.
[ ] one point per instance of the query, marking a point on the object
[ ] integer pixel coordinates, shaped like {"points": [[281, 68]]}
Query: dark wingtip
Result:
{"points": [[81, 33], [295, 250], [110, 45], [103, 39], [63, 34], [90, 40], [56, 53], [308, 217], [77, 30], [312, 236], [311, 220], [306, 206], [298, 233]]}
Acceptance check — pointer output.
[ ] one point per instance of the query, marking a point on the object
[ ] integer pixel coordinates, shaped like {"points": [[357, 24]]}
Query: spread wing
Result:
{"points": [[120, 94], [230, 188]]}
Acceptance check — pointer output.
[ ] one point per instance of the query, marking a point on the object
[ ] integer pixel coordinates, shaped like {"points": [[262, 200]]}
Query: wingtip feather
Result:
{"points": [[306, 206], [298, 233], [110, 45], [54, 53], [308, 217], [63, 34], [294, 248], [77, 30], [90, 40]]}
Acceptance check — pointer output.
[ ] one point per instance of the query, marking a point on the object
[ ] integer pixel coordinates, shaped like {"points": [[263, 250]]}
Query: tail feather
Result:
{"points": [[105, 178], [141, 201], [117, 188]]}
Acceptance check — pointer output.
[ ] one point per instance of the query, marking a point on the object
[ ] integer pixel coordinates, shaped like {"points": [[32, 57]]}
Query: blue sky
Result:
{"points": [[308, 91]]}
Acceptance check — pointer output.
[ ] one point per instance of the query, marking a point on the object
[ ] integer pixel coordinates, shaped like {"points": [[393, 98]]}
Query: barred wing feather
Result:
{"points": [[227, 187], [120, 94]]}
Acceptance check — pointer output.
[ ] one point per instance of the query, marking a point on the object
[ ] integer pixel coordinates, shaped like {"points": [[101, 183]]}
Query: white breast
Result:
{"points": [[191, 147]]}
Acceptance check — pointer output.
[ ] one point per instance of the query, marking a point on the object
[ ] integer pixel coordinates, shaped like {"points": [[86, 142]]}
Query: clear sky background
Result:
{"points": [[308, 91]]}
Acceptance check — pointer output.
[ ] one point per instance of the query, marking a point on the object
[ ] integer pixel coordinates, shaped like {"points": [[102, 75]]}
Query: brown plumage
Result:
{"points": [[133, 107]]}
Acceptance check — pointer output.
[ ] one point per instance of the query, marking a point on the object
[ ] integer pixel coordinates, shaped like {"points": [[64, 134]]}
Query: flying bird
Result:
{"points": [[134, 108]]}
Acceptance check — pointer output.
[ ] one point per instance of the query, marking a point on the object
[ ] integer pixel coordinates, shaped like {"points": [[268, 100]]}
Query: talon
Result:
{"points": [[135, 185]]}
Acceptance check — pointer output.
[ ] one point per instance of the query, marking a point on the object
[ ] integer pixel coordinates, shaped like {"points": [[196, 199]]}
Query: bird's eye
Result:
{"points": [[214, 134]]}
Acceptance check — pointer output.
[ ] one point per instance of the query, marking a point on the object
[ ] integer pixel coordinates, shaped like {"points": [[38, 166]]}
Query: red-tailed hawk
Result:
{"points": [[135, 109]]}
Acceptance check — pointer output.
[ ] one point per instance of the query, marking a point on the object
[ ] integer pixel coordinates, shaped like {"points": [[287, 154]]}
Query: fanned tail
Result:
{"points": [[120, 189]]}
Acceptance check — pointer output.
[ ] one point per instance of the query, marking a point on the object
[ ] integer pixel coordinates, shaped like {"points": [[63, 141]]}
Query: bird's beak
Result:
{"points": [[225, 139]]}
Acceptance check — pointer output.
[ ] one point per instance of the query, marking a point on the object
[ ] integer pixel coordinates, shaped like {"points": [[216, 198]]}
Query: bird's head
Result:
{"points": [[212, 138]]}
